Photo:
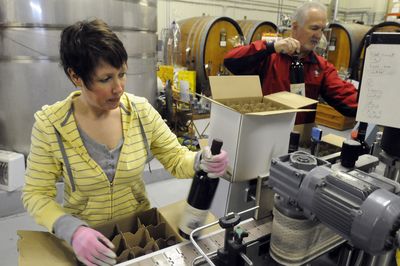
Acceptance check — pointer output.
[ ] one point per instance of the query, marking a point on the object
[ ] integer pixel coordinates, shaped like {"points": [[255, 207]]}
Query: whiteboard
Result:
{"points": [[379, 101]]}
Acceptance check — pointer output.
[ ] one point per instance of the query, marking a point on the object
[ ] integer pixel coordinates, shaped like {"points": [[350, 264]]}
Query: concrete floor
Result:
{"points": [[160, 193]]}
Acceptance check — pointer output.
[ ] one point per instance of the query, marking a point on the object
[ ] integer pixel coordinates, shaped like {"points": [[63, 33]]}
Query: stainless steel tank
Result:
{"points": [[30, 74]]}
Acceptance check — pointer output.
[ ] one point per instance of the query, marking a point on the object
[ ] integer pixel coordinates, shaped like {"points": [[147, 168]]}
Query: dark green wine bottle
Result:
{"points": [[201, 195]]}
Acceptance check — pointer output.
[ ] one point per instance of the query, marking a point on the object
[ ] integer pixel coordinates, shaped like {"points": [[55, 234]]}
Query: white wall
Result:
{"points": [[266, 10], [369, 11]]}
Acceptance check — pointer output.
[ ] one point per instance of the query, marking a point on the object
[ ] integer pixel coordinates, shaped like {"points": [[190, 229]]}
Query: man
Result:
{"points": [[272, 61]]}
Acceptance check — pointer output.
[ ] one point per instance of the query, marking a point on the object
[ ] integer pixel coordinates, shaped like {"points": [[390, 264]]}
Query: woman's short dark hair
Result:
{"points": [[84, 44]]}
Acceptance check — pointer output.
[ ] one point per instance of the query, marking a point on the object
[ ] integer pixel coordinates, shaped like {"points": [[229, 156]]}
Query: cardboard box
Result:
{"points": [[43, 249], [133, 236], [251, 138], [155, 225], [333, 139]]}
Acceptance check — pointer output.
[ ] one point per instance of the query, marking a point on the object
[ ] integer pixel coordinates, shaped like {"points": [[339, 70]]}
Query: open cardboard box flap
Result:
{"points": [[225, 88], [333, 139], [232, 87], [38, 248], [292, 100]]}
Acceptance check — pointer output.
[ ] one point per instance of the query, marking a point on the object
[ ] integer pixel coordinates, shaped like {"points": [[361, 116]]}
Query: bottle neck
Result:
{"points": [[296, 71]]}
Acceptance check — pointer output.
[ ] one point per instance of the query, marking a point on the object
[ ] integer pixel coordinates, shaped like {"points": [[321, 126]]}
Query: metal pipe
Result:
{"points": [[210, 254], [335, 12], [246, 259], [197, 246]]}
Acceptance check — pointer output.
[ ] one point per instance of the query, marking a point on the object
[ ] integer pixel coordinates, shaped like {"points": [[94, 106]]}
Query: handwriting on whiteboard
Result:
{"points": [[381, 63], [380, 86]]}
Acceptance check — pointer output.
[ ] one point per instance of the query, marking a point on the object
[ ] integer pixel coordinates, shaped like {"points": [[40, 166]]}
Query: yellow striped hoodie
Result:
{"points": [[88, 194]]}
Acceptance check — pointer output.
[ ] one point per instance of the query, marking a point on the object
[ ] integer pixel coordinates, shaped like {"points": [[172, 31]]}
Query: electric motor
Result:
{"points": [[363, 208]]}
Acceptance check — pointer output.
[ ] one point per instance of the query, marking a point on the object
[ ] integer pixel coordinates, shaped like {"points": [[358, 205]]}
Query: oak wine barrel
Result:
{"points": [[344, 42], [253, 30], [204, 42]]}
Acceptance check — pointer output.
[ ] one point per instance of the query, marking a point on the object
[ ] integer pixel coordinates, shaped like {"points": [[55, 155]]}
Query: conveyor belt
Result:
{"points": [[185, 253]]}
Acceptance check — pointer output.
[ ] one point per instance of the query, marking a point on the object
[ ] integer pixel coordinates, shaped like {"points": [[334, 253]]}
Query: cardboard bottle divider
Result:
{"points": [[37, 248], [138, 234]]}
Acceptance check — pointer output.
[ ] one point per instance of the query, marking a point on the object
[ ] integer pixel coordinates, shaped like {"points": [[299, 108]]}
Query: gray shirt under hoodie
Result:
{"points": [[66, 225]]}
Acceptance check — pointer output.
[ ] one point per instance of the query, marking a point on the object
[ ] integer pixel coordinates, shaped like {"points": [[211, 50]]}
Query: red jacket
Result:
{"points": [[320, 76]]}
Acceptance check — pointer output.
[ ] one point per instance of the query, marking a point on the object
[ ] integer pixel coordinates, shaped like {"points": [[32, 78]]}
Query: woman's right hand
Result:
{"points": [[214, 165], [92, 248]]}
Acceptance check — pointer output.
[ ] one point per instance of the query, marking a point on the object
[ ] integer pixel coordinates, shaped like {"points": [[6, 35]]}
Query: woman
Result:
{"points": [[98, 140]]}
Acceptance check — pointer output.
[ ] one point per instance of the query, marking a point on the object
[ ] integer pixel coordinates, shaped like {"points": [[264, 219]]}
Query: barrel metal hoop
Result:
{"points": [[191, 37], [252, 31], [258, 25]]}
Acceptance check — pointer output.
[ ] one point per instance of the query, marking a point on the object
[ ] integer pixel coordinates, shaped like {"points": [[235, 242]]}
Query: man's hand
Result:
{"points": [[92, 248], [287, 46]]}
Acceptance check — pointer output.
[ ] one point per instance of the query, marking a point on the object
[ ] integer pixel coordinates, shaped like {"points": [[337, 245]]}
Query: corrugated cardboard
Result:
{"points": [[129, 234], [44, 249], [251, 139], [333, 139]]}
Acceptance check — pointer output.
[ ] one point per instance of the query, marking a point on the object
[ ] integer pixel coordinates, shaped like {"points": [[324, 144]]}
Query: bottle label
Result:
{"points": [[298, 88], [191, 219]]}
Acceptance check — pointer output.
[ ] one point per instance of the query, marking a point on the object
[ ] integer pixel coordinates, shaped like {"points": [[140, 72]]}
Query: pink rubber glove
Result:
{"points": [[214, 165], [92, 248]]}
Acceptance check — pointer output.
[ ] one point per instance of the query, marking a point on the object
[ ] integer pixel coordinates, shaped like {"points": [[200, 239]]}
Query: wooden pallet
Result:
{"points": [[329, 117]]}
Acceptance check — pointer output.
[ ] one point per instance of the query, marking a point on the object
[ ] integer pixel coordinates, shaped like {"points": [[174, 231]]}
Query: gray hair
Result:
{"points": [[301, 12]]}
